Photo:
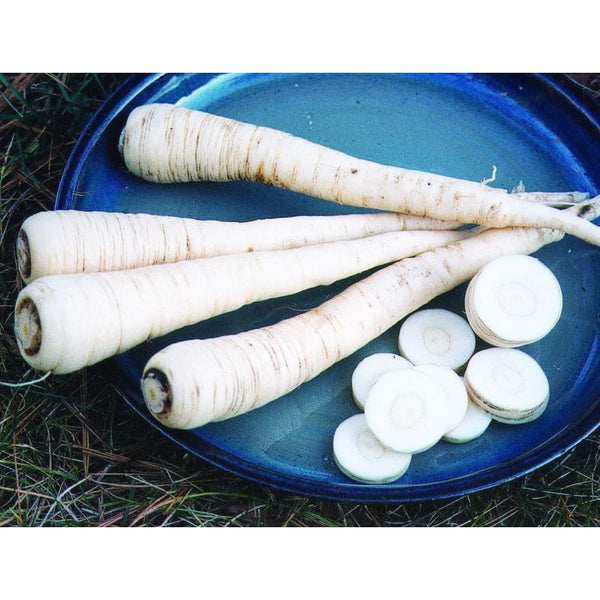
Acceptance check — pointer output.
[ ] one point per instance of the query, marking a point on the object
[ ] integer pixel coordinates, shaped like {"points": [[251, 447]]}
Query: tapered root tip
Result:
{"points": [[28, 327], [23, 253], [157, 392]]}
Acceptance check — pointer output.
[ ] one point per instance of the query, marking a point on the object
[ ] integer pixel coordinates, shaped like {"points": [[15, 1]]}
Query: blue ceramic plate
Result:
{"points": [[542, 131]]}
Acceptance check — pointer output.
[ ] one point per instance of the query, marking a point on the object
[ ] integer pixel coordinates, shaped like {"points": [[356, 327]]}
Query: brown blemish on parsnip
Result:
{"points": [[586, 209], [164, 389], [29, 327], [23, 255]]}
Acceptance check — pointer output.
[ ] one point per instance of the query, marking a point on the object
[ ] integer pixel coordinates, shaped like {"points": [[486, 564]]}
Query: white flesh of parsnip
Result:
{"points": [[362, 457], [369, 369], [437, 336], [508, 384], [473, 425], [406, 410], [165, 143], [193, 382], [455, 394], [513, 301], [65, 322], [71, 241]]}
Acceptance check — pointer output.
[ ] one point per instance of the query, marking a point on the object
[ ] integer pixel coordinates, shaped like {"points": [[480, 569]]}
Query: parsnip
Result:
{"points": [[436, 336], [455, 394], [193, 382], [406, 410], [362, 457], [71, 241], [473, 424], [508, 384], [165, 143], [513, 301], [65, 322], [369, 369]]}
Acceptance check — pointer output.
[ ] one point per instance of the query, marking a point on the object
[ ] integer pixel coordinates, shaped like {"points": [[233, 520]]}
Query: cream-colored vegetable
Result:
{"points": [[437, 336], [455, 393], [513, 301], [362, 457], [65, 322], [71, 241], [165, 143], [369, 369], [508, 384], [406, 410], [473, 425], [193, 382]]}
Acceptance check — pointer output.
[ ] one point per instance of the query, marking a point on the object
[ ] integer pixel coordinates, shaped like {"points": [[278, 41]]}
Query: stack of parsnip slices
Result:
{"points": [[508, 384], [513, 301]]}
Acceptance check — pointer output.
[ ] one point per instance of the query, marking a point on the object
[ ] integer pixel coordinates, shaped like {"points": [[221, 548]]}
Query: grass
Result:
{"points": [[72, 454]]}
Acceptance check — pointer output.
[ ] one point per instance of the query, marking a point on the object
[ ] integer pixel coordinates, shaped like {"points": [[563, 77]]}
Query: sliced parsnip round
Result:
{"points": [[508, 384], [406, 410], [362, 457], [473, 424], [369, 369], [514, 300], [455, 393], [437, 336]]}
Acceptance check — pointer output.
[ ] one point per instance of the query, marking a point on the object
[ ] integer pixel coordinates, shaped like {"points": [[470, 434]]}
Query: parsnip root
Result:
{"points": [[164, 143], [218, 378], [513, 301], [406, 410], [473, 425], [508, 384], [369, 369], [362, 457], [66, 322], [455, 395], [72, 241], [436, 336]]}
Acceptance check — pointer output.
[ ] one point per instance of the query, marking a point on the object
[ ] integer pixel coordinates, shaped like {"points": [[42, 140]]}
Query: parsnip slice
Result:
{"points": [[455, 393], [514, 300], [360, 455], [437, 336], [369, 369], [473, 424], [406, 410], [508, 384]]}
